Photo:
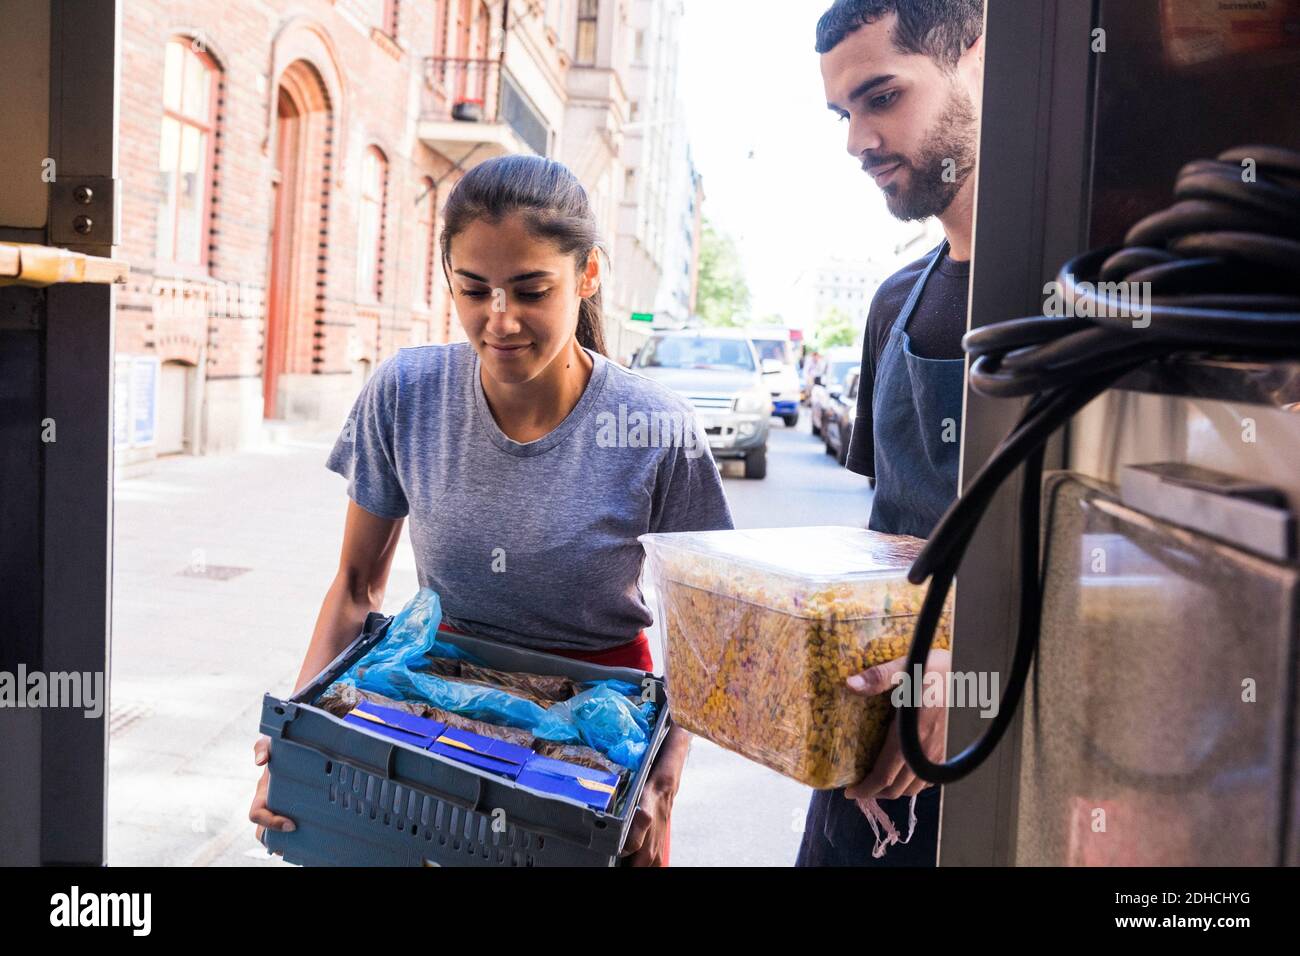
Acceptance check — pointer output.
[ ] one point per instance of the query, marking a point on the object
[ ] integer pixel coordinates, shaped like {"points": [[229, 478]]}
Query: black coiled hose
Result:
{"points": [[1216, 273]]}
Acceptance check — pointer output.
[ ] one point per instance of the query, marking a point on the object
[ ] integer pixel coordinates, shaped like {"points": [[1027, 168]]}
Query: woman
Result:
{"points": [[525, 504]]}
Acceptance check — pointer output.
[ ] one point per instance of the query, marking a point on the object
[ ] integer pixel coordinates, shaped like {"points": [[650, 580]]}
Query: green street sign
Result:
{"points": [[643, 316]]}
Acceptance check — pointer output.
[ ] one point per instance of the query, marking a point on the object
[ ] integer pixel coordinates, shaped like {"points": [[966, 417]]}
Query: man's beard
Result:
{"points": [[929, 191]]}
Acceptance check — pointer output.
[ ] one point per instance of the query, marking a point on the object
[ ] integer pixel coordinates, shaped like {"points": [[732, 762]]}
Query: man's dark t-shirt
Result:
{"points": [[936, 330]]}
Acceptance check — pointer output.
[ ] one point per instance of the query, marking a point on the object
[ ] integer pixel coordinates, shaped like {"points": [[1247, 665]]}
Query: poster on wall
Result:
{"points": [[121, 402], [135, 400], [144, 400]]}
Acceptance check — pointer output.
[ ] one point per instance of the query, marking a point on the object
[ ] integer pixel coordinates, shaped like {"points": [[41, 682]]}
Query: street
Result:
{"points": [[211, 611]]}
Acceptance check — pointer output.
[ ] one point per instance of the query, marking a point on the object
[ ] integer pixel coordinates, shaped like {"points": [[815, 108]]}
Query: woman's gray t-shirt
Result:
{"points": [[531, 543]]}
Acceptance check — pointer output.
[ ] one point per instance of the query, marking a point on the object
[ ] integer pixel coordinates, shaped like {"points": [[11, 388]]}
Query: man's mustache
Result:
{"points": [[873, 162]]}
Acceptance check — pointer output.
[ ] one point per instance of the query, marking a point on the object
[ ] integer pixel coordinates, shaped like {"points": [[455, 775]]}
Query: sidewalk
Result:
{"points": [[220, 566]]}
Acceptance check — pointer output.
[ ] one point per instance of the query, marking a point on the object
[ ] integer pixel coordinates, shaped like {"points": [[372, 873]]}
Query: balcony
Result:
{"points": [[473, 110]]}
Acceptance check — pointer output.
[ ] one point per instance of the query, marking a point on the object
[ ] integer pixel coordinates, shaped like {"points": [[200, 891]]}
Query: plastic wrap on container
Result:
{"points": [[476, 701], [606, 719], [403, 665], [600, 717], [645, 706], [340, 699], [762, 629], [412, 636]]}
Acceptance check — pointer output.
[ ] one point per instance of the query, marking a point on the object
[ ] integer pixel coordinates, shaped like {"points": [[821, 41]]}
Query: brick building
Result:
{"points": [[284, 163]]}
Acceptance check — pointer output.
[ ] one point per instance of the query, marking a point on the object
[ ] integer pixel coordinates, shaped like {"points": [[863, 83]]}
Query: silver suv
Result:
{"points": [[717, 371]]}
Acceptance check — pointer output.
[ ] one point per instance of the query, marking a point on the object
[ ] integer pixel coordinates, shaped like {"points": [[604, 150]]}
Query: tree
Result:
{"points": [[723, 296], [834, 329]]}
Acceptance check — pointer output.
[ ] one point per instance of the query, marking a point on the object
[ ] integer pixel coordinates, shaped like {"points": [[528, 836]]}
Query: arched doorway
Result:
{"points": [[304, 130]]}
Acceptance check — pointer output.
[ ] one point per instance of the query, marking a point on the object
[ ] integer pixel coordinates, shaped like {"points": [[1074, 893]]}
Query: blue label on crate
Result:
{"points": [[397, 724], [486, 753], [596, 788]]}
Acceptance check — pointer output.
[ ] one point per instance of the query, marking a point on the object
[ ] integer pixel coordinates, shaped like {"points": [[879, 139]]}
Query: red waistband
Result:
{"points": [[635, 653]]}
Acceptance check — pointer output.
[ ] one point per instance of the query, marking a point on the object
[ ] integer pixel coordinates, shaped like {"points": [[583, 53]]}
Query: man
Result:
{"points": [[811, 369], [905, 76]]}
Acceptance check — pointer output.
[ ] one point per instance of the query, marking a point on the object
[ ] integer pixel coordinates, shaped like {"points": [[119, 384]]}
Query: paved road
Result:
{"points": [[211, 611]]}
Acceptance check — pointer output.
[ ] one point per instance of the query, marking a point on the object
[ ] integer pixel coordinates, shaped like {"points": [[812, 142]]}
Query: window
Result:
{"points": [[185, 154], [692, 352], [473, 29], [424, 246], [463, 17], [588, 16], [440, 28], [473, 39], [381, 15], [370, 242], [772, 349]]}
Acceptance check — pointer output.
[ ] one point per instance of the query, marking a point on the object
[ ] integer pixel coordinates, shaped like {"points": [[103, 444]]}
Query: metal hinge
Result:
{"points": [[84, 211]]}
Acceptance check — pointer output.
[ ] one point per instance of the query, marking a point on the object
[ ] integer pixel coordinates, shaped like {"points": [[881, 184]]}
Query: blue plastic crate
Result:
{"points": [[360, 799]]}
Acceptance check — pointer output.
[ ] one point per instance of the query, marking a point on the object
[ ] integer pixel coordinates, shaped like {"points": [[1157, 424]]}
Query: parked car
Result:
{"points": [[776, 357], [839, 362], [837, 421], [717, 371]]}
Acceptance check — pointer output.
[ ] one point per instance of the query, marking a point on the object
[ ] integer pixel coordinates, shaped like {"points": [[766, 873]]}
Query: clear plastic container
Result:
{"points": [[762, 629]]}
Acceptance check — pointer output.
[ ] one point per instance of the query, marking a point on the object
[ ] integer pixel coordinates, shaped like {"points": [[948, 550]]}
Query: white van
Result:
{"points": [[776, 353]]}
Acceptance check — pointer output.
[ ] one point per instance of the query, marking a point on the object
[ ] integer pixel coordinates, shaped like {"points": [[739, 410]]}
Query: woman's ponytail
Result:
{"points": [[591, 324]]}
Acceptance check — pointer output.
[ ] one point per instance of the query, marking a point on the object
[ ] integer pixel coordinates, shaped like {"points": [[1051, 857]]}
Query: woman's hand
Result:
{"points": [[890, 776], [648, 837], [259, 812]]}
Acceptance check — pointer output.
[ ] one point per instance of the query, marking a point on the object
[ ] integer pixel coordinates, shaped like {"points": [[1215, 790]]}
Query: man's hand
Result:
{"points": [[891, 777]]}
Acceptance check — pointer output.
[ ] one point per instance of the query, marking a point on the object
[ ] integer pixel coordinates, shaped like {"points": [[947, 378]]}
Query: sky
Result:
{"points": [[776, 172]]}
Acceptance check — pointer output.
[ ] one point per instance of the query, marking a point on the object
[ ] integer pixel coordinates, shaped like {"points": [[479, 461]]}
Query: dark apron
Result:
{"points": [[916, 481]]}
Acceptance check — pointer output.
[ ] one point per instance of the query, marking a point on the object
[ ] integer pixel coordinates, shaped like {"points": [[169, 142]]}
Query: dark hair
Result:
{"points": [[940, 29], [554, 206]]}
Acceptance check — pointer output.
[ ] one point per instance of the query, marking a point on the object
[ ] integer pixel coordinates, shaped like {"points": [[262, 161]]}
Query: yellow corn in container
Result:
{"points": [[762, 628]]}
